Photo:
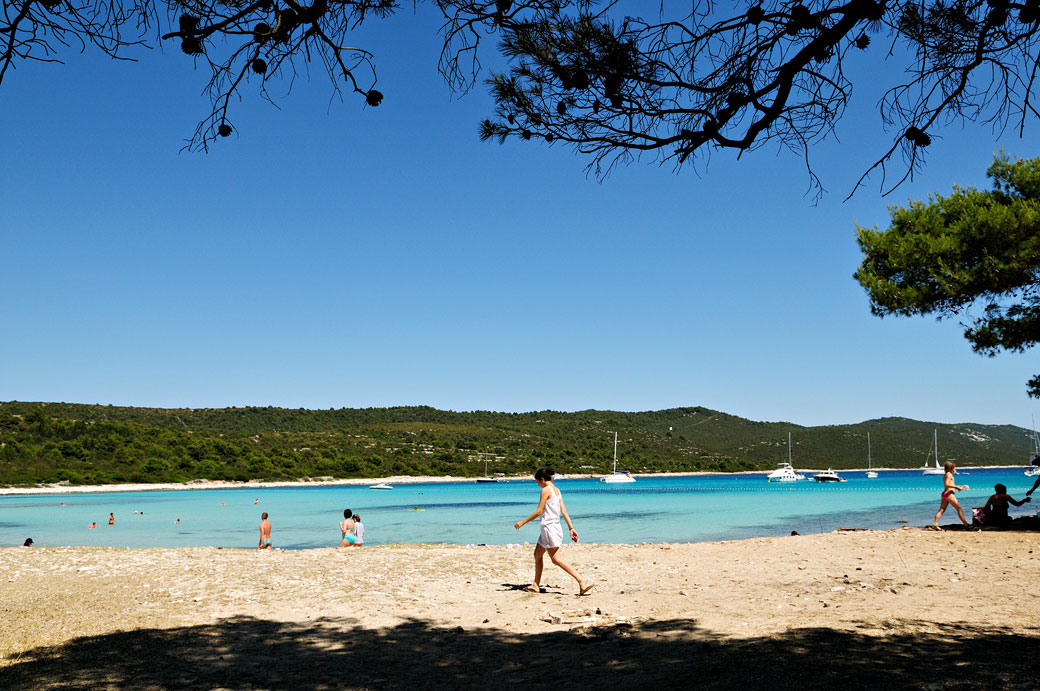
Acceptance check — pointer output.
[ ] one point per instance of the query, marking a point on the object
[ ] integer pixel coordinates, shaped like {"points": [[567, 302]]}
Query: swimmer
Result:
{"points": [[265, 532], [111, 519], [346, 529], [257, 500], [177, 522]]}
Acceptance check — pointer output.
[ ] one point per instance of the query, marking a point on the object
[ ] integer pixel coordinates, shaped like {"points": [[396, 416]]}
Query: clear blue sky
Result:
{"points": [[331, 255]]}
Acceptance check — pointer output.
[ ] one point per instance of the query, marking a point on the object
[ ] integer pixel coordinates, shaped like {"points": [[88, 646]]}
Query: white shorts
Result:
{"points": [[551, 535]]}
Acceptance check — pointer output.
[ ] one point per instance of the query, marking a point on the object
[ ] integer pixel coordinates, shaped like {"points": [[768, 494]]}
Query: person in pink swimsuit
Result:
{"points": [[949, 498], [550, 539]]}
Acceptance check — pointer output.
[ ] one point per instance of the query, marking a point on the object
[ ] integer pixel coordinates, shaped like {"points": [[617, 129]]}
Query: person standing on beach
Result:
{"points": [[265, 532], [550, 508], [949, 498], [346, 529]]}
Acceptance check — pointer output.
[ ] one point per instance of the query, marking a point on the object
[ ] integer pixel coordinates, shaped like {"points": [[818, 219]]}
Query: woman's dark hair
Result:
{"points": [[544, 474], [347, 513], [28, 542], [1001, 489]]}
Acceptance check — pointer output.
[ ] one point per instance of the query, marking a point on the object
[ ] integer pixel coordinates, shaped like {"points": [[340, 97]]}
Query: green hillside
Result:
{"points": [[49, 442]]}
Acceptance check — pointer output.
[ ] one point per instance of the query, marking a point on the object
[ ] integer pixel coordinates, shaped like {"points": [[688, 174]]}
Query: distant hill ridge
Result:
{"points": [[83, 443]]}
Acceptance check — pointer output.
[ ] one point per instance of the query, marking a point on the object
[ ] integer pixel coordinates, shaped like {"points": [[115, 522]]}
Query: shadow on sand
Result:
{"points": [[243, 653]]}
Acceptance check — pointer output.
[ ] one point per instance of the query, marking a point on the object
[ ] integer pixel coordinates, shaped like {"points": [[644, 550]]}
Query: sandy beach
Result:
{"points": [[861, 609]]}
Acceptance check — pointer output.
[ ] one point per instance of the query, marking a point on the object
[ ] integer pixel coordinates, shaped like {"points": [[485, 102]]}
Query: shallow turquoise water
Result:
{"points": [[674, 509]]}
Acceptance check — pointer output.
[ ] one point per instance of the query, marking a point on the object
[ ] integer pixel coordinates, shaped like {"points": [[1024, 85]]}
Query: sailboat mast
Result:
{"points": [[868, 450], [935, 441], [615, 452]]}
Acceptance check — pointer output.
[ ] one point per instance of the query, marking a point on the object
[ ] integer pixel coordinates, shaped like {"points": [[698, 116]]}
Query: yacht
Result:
{"points": [[828, 476], [618, 476], [382, 485], [785, 472]]}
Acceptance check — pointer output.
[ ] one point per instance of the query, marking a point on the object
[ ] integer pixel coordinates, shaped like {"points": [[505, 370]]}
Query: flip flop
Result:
{"points": [[586, 589]]}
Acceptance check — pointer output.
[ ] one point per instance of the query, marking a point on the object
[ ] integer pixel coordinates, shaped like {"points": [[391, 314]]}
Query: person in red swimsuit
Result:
{"points": [[949, 498]]}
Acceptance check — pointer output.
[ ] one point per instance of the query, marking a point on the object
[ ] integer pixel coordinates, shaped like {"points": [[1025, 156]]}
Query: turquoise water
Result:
{"points": [[673, 509]]}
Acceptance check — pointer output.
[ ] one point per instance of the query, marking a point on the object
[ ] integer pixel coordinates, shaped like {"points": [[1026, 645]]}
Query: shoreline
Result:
{"points": [[55, 488]]}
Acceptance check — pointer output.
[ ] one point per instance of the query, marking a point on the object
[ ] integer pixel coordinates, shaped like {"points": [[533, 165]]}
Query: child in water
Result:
{"points": [[359, 531], [550, 508], [949, 498]]}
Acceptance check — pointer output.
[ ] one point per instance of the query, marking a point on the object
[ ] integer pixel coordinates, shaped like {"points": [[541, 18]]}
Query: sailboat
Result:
{"points": [[618, 476], [1033, 458], [937, 470], [486, 478], [871, 473]]}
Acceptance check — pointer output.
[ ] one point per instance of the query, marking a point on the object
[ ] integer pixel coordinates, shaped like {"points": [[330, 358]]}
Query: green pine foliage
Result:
{"points": [[92, 444], [973, 254]]}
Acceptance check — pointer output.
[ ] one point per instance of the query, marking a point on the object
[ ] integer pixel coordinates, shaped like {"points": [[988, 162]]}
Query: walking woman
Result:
{"points": [[949, 496], [550, 508]]}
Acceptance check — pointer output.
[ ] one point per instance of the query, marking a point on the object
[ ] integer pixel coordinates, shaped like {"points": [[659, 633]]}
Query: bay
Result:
{"points": [[653, 509]]}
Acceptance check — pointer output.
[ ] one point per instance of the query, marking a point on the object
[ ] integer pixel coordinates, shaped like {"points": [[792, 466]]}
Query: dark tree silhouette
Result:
{"points": [[694, 78]]}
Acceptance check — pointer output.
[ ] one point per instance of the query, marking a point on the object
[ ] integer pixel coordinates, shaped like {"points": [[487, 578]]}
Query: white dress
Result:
{"points": [[552, 533]]}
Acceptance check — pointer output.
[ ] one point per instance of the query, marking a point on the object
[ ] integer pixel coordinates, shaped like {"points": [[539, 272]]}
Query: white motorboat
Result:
{"points": [[828, 476], [381, 486], [937, 470], [871, 473], [618, 476], [785, 472]]}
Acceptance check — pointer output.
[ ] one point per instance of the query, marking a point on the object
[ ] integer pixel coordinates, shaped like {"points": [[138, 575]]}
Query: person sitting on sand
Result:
{"points": [[550, 508], [265, 532], [949, 497], [346, 529], [359, 531], [995, 512]]}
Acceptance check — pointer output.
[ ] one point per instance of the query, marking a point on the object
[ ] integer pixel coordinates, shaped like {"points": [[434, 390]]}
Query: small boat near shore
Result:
{"points": [[381, 485]]}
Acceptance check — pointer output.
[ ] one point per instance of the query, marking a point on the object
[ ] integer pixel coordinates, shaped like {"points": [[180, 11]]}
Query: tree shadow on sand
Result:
{"points": [[245, 653]]}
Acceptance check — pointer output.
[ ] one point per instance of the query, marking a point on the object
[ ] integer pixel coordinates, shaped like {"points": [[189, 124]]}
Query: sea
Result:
{"points": [[671, 509]]}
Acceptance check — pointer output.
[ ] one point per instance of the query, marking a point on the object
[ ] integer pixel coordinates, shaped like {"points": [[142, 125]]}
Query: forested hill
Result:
{"points": [[48, 442]]}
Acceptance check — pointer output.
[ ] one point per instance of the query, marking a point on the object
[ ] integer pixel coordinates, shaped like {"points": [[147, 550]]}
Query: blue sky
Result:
{"points": [[333, 255]]}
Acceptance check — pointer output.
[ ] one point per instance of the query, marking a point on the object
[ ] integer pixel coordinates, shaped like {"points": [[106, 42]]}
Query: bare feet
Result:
{"points": [[532, 589], [585, 587]]}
